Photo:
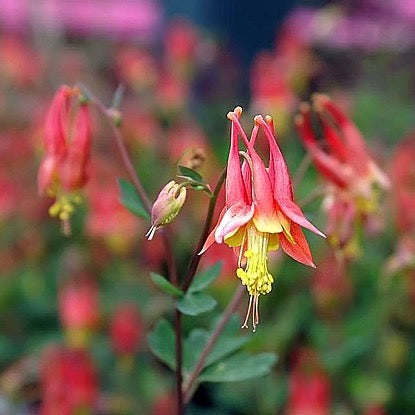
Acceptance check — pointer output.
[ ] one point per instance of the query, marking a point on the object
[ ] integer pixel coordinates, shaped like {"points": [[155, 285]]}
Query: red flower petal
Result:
{"points": [[296, 215], [300, 251]]}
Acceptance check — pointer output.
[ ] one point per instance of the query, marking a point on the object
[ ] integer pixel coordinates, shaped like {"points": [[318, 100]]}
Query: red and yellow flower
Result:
{"points": [[353, 179], [64, 168], [260, 213]]}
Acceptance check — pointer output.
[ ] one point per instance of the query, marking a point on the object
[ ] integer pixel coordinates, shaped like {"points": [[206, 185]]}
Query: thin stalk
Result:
{"points": [[315, 194], [194, 262], [129, 166], [191, 383], [301, 170]]}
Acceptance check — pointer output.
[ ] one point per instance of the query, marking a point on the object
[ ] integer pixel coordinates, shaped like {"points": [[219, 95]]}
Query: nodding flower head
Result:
{"points": [[353, 177], [167, 206], [260, 213], [64, 168]]}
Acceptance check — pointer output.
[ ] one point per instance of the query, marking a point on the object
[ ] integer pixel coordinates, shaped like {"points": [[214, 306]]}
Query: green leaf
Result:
{"points": [[165, 285], [192, 348], [162, 343], [131, 200], [224, 347], [229, 342], [239, 367], [193, 304], [196, 341], [203, 279], [188, 173]]}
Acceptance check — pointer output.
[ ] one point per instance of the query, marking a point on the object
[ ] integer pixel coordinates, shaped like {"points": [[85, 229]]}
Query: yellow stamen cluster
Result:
{"points": [[64, 206], [256, 277]]}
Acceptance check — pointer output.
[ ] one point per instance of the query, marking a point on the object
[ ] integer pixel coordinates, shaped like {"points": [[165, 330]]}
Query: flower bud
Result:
{"points": [[167, 206]]}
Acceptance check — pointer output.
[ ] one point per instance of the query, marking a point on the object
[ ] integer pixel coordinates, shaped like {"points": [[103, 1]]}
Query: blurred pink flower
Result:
{"points": [[69, 382], [20, 66], [369, 25], [402, 172], [115, 18], [107, 218], [78, 304], [126, 329], [164, 405], [309, 386], [331, 286]]}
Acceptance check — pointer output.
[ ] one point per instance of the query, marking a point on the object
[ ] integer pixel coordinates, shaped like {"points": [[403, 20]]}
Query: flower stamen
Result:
{"points": [[245, 325], [255, 276]]}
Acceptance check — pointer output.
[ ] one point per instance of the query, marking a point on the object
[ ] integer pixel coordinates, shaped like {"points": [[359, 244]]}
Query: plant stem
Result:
{"points": [[179, 361], [194, 262], [190, 384], [301, 170], [129, 166], [315, 194]]}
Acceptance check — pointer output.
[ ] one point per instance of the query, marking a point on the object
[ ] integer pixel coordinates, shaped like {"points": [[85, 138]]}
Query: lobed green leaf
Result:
{"points": [[193, 304]]}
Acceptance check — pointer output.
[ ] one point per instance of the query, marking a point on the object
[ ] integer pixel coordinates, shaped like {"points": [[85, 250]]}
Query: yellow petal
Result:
{"points": [[235, 238]]}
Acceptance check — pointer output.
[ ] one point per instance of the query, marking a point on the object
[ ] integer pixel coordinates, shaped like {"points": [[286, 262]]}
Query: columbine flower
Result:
{"points": [[354, 179], [63, 170], [167, 206], [259, 212]]}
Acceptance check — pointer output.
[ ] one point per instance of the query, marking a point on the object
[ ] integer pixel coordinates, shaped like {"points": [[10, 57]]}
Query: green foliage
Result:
{"points": [[190, 174], [162, 343], [242, 366], [193, 304], [165, 285], [203, 279], [222, 364], [196, 181], [195, 342], [131, 200]]}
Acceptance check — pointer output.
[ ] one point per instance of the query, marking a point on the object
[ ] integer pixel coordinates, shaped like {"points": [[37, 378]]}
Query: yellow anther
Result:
{"points": [[248, 254], [55, 209], [64, 215]]}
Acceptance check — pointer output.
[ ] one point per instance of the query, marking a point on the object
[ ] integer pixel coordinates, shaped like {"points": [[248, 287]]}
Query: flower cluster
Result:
{"points": [[353, 179], [260, 213]]}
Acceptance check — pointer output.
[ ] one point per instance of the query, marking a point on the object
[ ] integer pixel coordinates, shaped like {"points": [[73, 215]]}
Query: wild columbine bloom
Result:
{"points": [[63, 170], [167, 206], [354, 180], [259, 213]]}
